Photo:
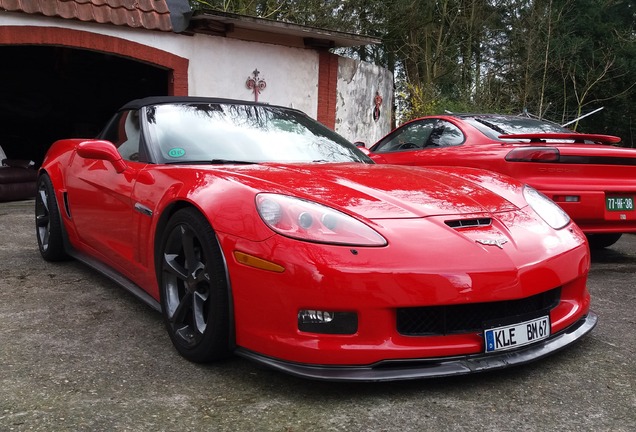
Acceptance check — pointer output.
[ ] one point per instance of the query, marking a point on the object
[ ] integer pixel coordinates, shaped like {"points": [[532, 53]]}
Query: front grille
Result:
{"points": [[469, 318]]}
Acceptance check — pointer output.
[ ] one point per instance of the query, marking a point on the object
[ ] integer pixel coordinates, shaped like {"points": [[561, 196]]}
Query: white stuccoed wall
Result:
{"points": [[220, 67], [358, 83]]}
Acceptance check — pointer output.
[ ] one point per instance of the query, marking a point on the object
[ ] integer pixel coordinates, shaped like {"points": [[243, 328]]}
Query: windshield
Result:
{"points": [[493, 126], [234, 133]]}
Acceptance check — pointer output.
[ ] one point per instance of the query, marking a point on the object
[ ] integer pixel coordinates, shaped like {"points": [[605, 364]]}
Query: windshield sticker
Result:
{"points": [[176, 152]]}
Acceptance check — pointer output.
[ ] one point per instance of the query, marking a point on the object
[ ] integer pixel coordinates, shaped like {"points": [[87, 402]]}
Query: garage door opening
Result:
{"points": [[48, 93]]}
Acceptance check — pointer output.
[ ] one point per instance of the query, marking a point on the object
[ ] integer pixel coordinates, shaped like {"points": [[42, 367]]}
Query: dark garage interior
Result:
{"points": [[50, 92]]}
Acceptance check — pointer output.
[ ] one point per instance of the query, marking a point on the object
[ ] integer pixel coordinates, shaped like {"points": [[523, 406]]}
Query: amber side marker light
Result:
{"points": [[259, 263]]}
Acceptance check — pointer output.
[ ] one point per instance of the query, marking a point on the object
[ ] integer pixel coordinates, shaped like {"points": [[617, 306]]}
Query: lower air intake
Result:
{"points": [[469, 318]]}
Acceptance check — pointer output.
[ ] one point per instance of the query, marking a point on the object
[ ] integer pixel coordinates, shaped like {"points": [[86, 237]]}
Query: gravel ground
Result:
{"points": [[77, 353]]}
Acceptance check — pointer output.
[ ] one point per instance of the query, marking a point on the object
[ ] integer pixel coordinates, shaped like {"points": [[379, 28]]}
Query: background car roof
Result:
{"points": [[494, 115], [504, 116]]}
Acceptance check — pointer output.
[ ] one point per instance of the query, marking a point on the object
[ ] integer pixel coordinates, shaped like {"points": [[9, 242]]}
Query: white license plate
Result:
{"points": [[517, 335]]}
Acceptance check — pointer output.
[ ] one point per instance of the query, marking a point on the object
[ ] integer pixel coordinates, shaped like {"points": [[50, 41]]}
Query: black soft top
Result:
{"points": [[159, 100]]}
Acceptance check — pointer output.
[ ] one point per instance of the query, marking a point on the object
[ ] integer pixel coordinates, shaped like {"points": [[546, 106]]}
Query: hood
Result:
{"points": [[383, 191]]}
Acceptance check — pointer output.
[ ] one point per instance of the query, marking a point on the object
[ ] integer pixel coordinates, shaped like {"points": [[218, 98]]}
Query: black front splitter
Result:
{"points": [[393, 370]]}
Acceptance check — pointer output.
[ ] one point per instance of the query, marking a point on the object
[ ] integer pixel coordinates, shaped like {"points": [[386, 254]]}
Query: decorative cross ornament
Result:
{"points": [[377, 101], [256, 84]]}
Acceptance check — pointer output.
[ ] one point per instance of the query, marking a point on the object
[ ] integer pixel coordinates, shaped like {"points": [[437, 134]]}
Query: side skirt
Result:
{"points": [[116, 277], [124, 282]]}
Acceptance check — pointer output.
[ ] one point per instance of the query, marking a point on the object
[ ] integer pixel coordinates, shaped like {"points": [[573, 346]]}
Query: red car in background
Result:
{"points": [[593, 180]]}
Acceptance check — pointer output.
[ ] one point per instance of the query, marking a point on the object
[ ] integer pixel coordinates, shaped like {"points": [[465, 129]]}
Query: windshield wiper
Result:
{"points": [[231, 162], [212, 162]]}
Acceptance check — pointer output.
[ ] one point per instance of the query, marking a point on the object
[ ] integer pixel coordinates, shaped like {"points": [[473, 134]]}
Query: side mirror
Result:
{"points": [[363, 149], [102, 150]]}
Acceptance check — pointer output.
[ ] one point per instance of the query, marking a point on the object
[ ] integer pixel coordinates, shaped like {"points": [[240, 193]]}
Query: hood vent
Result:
{"points": [[469, 223]]}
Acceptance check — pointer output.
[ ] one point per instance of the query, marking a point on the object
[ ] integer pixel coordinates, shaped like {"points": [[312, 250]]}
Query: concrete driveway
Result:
{"points": [[77, 353]]}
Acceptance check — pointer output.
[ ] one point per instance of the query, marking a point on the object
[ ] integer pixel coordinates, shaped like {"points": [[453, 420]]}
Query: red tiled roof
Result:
{"points": [[148, 14]]}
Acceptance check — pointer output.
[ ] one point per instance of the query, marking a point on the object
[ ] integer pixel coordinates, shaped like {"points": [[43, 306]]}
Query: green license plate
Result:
{"points": [[617, 203]]}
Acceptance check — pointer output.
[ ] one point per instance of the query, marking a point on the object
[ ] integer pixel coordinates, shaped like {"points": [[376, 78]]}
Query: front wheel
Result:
{"points": [[600, 241], [193, 288], [48, 224]]}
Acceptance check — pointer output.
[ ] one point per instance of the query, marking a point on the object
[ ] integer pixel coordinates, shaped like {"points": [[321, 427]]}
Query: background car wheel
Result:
{"points": [[193, 288], [48, 226], [600, 241]]}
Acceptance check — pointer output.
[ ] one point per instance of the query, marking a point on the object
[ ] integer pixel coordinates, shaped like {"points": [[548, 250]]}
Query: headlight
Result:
{"points": [[546, 208], [309, 221]]}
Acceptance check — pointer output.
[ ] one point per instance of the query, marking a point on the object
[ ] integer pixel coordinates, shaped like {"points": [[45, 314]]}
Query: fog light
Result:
{"points": [[315, 316], [327, 322]]}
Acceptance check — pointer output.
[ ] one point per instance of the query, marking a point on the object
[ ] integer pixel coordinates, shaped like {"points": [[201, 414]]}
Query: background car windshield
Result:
{"points": [[421, 134], [493, 126], [208, 132]]}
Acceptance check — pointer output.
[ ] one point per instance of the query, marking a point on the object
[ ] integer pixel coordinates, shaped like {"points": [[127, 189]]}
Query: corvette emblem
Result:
{"points": [[490, 242]]}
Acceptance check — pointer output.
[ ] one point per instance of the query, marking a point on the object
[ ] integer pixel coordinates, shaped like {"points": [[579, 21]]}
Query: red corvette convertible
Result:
{"points": [[594, 182], [256, 231]]}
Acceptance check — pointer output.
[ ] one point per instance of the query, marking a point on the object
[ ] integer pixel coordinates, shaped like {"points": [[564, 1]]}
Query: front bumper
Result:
{"points": [[392, 370]]}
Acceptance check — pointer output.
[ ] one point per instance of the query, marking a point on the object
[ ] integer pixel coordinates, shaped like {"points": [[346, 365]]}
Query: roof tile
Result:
{"points": [[83, 11], [48, 8], [64, 9], [11, 5], [148, 14]]}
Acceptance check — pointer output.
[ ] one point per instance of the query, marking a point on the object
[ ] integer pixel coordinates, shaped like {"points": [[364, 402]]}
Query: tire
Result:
{"points": [[600, 241], [48, 225], [193, 288]]}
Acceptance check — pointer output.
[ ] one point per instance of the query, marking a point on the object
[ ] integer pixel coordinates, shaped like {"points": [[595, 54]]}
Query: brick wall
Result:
{"points": [[327, 88]]}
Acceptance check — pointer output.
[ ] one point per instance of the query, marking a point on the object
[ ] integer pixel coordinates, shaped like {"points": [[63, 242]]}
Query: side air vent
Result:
{"points": [[468, 223], [66, 207]]}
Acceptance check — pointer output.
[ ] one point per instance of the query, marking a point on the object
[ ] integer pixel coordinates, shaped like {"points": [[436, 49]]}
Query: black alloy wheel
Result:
{"points": [[48, 225], [193, 288]]}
